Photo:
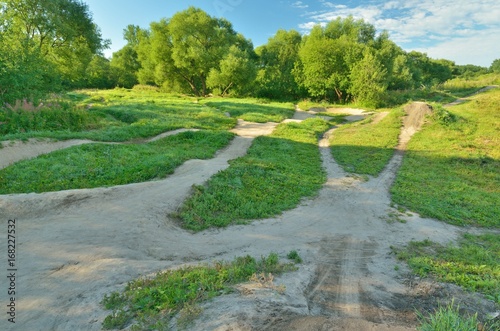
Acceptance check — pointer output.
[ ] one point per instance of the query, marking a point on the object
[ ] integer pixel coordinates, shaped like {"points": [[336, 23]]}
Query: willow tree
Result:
{"points": [[184, 49], [277, 61]]}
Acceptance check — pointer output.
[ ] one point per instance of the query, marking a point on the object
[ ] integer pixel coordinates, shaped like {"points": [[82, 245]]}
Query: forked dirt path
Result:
{"points": [[76, 246]]}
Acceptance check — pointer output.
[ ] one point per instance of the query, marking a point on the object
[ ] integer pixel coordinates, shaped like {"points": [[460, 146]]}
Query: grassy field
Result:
{"points": [[111, 115], [253, 110], [277, 172], [451, 170], [150, 303], [474, 264], [97, 165], [364, 147]]}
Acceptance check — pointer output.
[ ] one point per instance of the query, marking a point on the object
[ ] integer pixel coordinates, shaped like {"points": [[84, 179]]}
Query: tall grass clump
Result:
{"points": [[474, 264], [447, 318], [25, 117]]}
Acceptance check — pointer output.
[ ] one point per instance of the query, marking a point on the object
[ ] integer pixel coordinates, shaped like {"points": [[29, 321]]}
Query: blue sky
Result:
{"points": [[464, 31]]}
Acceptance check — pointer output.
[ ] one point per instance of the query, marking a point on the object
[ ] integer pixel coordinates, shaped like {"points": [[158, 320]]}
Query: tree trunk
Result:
{"points": [[339, 94], [204, 84], [227, 88]]}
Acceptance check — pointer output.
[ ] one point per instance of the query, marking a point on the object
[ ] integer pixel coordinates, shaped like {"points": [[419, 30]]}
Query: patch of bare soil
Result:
{"points": [[75, 246]]}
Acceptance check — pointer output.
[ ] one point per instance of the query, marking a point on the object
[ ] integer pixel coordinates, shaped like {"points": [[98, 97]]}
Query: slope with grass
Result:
{"points": [[253, 110], [111, 115], [366, 147], [277, 172], [474, 264], [96, 165], [451, 170], [152, 302]]}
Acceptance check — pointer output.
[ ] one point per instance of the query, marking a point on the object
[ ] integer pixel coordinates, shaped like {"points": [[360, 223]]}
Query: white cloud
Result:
{"points": [[300, 5], [479, 49], [308, 26], [439, 26]]}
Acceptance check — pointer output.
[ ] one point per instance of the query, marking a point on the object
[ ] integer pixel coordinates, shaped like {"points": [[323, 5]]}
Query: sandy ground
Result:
{"points": [[73, 247]]}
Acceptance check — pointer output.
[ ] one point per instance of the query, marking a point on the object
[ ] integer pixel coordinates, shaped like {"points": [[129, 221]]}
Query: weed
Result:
{"points": [[474, 264], [115, 115], [254, 110], [447, 318], [24, 117], [153, 301], [97, 165], [294, 256]]}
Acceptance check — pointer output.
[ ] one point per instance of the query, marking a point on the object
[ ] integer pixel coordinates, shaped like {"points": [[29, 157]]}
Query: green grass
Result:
{"points": [[122, 115], [278, 171], [451, 170], [366, 148], [474, 264], [448, 318], [25, 117], [467, 85], [253, 110], [150, 303], [96, 165]]}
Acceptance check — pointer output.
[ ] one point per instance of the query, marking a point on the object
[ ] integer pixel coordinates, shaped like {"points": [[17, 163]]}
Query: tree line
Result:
{"points": [[54, 45]]}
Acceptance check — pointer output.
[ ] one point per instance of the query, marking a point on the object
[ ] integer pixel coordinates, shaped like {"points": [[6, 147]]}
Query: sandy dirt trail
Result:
{"points": [[76, 246]]}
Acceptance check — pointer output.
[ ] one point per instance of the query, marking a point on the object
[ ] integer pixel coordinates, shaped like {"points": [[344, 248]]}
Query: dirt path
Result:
{"points": [[75, 246], [462, 100]]}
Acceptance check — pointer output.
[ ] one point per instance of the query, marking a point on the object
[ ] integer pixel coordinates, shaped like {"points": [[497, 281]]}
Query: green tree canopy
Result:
{"points": [[277, 61], [43, 44], [237, 73], [495, 66], [184, 49]]}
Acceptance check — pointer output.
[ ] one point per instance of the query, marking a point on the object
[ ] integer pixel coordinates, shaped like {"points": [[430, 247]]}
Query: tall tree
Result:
{"points": [[237, 73], [327, 57], [52, 42], [184, 49], [495, 66], [125, 63], [277, 61], [369, 80]]}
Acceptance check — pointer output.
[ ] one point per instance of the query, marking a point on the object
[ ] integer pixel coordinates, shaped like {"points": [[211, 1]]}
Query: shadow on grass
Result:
{"points": [[458, 190], [260, 113], [136, 120]]}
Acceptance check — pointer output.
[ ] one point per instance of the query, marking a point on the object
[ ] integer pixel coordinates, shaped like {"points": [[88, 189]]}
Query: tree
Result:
{"points": [[183, 50], [237, 73], [98, 73], [125, 63], [427, 71], [277, 61], [369, 80], [45, 44], [327, 58], [495, 66], [199, 42]]}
